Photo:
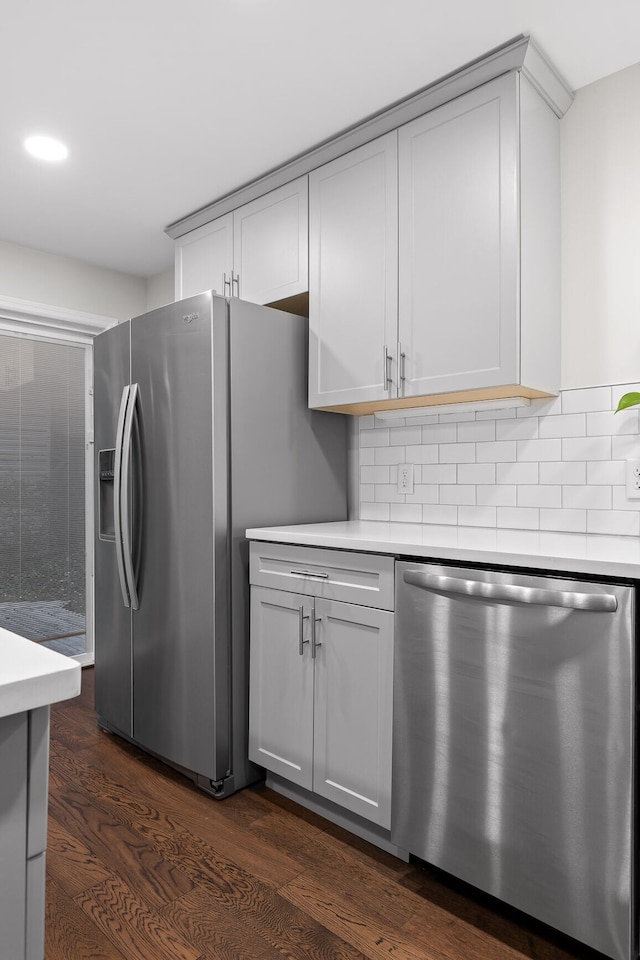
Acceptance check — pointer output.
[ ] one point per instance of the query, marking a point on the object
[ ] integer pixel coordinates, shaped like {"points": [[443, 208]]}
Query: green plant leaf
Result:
{"points": [[628, 400]]}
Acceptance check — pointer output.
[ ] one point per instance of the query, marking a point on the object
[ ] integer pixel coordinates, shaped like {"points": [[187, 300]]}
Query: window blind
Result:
{"points": [[42, 486]]}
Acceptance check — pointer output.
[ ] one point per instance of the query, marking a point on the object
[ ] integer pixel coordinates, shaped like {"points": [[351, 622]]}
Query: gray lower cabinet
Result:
{"points": [[24, 756], [320, 710]]}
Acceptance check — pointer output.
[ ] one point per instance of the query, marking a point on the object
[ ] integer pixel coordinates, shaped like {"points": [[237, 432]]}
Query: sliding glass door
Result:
{"points": [[45, 532]]}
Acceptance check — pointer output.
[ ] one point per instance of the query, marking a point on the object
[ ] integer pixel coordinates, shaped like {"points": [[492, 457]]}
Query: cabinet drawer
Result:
{"points": [[362, 578]]}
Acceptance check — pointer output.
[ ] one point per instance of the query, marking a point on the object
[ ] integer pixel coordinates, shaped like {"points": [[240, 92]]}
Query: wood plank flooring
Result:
{"points": [[143, 866]]}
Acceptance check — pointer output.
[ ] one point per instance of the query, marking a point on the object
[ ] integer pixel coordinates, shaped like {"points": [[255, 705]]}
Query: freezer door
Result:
{"points": [[112, 617], [180, 644], [513, 741]]}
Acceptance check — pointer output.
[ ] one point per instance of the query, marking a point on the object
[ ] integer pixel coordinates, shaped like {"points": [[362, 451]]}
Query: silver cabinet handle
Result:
{"points": [[315, 643], [226, 283], [388, 380], [302, 616], [511, 593], [117, 484], [309, 573], [235, 278], [403, 364], [124, 501]]}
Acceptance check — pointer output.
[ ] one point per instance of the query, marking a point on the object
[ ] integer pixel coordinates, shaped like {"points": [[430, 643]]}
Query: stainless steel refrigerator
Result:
{"points": [[201, 430]]}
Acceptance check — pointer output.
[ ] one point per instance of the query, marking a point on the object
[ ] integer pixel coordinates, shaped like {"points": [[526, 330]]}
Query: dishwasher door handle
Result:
{"points": [[512, 593]]}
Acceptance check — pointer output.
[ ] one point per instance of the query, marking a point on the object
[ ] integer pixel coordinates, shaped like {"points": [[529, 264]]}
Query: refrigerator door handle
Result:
{"points": [[124, 497], [117, 499]]}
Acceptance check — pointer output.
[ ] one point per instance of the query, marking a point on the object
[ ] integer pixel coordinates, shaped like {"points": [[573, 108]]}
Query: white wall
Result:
{"points": [[160, 289], [600, 150], [40, 277]]}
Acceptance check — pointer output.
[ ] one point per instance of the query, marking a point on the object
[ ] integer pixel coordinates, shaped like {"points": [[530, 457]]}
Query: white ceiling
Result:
{"points": [[166, 106]]}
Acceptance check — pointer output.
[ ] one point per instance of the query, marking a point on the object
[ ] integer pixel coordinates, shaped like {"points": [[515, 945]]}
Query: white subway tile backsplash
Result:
{"points": [[587, 497], [517, 429], [573, 521], [605, 471], [374, 475], [571, 472], [569, 425], [611, 424], [477, 516], [476, 430], [457, 453], [500, 451], [426, 453], [497, 495], [439, 433], [374, 511], [520, 518], [401, 436], [626, 447], [586, 400], [406, 513], [586, 448], [439, 473], [387, 493], [538, 495], [484, 473], [620, 501], [517, 472], [615, 522], [457, 493], [439, 513], [557, 465], [374, 438], [389, 455], [424, 493], [537, 450]]}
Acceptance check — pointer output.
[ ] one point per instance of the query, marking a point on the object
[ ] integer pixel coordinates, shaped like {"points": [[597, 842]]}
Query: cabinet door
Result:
{"points": [[353, 708], [271, 244], [458, 243], [281, 684], [353, 276], [203, 257]]}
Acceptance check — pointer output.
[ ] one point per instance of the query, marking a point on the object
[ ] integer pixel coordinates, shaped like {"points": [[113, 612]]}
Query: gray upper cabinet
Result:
{"points": [[476, 295], [353, 274], [204, 258], [257, 252], [458, 250]]}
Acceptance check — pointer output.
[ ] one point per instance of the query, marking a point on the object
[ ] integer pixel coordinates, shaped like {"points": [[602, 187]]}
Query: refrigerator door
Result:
{"points": [[180, 369], [112, 618]]}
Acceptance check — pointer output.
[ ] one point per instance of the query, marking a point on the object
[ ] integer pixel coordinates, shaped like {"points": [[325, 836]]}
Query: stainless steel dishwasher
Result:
{"points": [[514, 732]]}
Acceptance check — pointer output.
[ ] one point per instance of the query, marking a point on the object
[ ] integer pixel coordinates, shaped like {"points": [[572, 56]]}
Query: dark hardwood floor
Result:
{"points": [[143, 866]]}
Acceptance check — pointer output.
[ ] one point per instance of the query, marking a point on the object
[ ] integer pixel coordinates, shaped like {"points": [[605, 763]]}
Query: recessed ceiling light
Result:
{"points": [[46, 148]]}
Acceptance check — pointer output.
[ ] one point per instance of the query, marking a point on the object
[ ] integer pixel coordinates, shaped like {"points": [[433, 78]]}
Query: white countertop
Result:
{"points": [[32, 676], [591, 554]]}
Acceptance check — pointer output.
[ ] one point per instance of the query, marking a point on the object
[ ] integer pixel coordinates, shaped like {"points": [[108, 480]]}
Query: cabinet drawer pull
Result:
{"points": [[309, 573]]}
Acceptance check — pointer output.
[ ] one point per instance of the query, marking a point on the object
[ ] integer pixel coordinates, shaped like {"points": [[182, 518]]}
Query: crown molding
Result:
{"points": [[517, 54]]}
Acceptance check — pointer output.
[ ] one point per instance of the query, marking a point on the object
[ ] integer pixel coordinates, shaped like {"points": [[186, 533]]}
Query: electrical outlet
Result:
{"points": [[633, 479], [405, 478]]}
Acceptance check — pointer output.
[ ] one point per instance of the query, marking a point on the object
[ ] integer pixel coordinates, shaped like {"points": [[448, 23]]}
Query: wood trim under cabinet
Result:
{"points": [[437, 399]]}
